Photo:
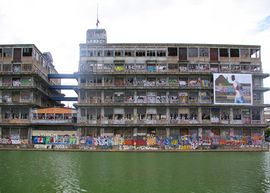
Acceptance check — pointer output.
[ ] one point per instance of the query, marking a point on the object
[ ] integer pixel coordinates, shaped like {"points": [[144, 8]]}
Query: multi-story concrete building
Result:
{"points": [[205, 93], [24, 85]]}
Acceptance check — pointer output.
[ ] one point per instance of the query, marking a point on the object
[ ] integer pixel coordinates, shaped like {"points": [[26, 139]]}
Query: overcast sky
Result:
{"points": [[59, 26]]}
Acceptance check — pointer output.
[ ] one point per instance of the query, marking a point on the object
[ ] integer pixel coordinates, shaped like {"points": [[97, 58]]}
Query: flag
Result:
{"points": [[97, 23]]}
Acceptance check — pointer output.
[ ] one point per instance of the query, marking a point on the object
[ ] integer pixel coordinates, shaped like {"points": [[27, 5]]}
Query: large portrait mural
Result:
{"points": [[232, 89]]}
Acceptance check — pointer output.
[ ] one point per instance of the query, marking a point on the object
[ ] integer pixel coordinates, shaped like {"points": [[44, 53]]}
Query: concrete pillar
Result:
{"points": [[262, 116], [168, 114], [135, 96], [102, 96], [200, 115], [29, 135], [79, 134], [168, 132], [0, 132], [231, 115], [102, 113], [200, 135], [101, 131], [135, 115], [135, 131]]}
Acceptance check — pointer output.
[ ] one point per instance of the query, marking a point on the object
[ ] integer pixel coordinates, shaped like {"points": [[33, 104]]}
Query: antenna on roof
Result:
{"points": [[97, 17]]}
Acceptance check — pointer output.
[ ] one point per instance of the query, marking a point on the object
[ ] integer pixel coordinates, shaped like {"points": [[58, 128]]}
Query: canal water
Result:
{"points": [[134, 172]]}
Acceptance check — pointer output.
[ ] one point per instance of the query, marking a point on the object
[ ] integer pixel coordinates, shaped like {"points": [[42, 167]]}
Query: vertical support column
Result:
{"points": [[200, 136], [101, 131], [79, 96], [0, 132], [231, 115], [168, 132], [168, 115], [200, 115], [135, 96], [135, 131], [231, 134], [29, 135], [135, 115], [262, 120], [102, 96], [78, 135], [102, 114]]}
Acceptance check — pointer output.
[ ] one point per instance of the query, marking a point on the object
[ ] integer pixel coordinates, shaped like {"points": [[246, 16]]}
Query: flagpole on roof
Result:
{"points": [[97, 16]]}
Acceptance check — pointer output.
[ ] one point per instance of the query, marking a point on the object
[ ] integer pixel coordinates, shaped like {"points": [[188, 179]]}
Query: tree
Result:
{"points": [[267, 134]]}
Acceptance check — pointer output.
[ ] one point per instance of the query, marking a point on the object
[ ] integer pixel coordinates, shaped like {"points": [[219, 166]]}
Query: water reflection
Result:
{"points": [[47, 172], [266, 169], [66, 172]]}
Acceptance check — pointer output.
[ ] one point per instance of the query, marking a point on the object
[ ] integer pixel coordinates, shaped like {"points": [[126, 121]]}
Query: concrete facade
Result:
{"points": [[170, 90], [24, 85]]}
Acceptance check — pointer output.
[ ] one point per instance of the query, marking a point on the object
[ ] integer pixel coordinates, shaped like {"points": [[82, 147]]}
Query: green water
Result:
{"points": [[98, 172]]}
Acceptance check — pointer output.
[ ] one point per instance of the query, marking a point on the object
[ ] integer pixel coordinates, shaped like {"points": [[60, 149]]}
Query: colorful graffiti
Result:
{"points": [[205, 139], [54, 139]]}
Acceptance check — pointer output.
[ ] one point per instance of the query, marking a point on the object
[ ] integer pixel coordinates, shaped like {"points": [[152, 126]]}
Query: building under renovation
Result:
{"points": [[187, 93], [24, 85]]}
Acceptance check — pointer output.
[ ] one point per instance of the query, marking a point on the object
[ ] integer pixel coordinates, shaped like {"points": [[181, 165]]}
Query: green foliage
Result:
{"points": [[267, 132]]}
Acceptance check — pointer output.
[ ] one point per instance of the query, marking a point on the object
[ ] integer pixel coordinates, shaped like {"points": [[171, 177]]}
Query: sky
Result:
{"points": [[59, 26]]}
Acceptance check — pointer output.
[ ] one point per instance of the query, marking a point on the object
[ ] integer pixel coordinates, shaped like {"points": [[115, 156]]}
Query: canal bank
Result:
{"points": [[77, 148]]}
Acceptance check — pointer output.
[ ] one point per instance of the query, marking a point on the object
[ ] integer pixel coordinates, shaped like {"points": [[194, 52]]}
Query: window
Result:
{"points": [[237, 114], [118, 53], [108, 113], [83, 80], [6, 67], [223, 52], [16, 68], [213, 54], [26, 67], [183, 54], [83, 113], [193, 97], [7, 52], [193, 52], [24, 113], [129, 53], [27, 51], [205, 114], [244, 53], [99, 53], [173, 67], [1, 52], [151, 53], [254, 53], [25, 96], [172, 51], [140, 53], [234, 52], [7, 81], [204, 52], [108, 53], [224, 114], [161, 53], [256, 114]]}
